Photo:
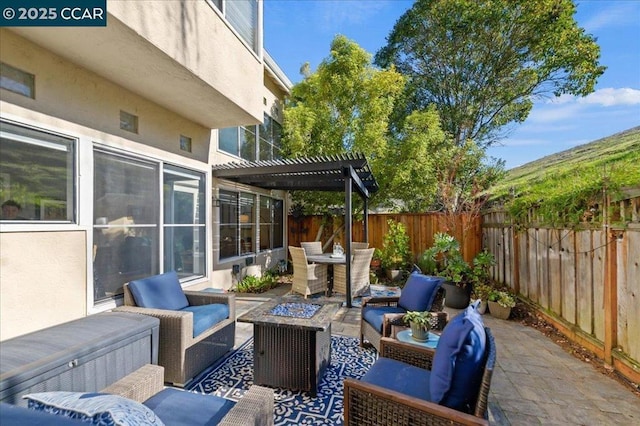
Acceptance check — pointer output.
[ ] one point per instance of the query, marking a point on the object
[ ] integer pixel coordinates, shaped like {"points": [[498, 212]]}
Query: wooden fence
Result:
{"points": [[586, 282], [420, 227]]}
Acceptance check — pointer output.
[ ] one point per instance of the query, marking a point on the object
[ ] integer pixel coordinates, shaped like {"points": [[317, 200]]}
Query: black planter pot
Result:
{"points": [[456, 297]]}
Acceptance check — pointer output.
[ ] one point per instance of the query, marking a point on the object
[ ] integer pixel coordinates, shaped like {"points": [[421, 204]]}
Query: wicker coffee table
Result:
{"points": [[290, 350]]}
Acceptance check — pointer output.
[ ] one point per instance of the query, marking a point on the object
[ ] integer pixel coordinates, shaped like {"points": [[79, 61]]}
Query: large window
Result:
{"points": [[127, 221], [271, 223], [184, 222], [243, 17], [241, 141], [237, 223], [126, 216], [36, 175]]}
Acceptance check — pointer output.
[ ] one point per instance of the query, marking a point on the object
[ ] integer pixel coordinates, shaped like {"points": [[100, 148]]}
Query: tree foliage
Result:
{"points": [[483, 62], [343, 107]]}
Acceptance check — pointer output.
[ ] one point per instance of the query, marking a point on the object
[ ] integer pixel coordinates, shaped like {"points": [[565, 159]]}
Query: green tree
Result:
{"points": [[343, 107], [482, 63]]}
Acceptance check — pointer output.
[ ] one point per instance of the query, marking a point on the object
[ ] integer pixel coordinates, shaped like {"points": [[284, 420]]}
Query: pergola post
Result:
{"points": [[348, 219]]}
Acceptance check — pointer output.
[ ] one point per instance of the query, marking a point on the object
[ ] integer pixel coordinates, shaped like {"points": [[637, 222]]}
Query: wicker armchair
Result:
{"points": [[360, 266], [254, 408], [391, 321], [308, 278], [181, 354], [367, 403]]}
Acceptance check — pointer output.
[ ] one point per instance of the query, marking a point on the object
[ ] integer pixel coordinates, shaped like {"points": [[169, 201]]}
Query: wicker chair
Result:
{"points": [[359, 246], [182, 354], [392, 321], [254, 408], [360, 266], [312, 247], [308, 278], [367, 403]]}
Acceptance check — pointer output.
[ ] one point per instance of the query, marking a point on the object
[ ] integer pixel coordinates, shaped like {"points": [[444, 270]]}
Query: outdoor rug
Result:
{"points": [[232, 376]]}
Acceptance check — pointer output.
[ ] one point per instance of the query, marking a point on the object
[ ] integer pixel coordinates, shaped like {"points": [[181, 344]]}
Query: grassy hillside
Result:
{"points": [[567, 188]]}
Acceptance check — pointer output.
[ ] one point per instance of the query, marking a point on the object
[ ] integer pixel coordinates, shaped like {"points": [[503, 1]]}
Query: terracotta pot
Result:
{"points": [[499, 311]]}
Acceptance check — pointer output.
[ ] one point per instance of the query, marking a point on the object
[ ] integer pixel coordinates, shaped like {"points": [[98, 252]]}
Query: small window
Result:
{"points": [[128, 122], [185, 143], [17, 81], [37, 172]]}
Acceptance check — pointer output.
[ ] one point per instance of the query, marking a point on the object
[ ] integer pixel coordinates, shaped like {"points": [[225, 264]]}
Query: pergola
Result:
{"points": [[336, 173]]}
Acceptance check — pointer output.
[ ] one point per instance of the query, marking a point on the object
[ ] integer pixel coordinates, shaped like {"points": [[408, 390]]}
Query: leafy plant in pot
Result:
{"points": [[394, 254], [500, 304], [444, 259], [420, 323]]}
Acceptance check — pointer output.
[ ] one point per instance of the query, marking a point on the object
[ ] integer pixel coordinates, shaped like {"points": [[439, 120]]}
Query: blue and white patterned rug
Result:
{"points": [[231, 377]]}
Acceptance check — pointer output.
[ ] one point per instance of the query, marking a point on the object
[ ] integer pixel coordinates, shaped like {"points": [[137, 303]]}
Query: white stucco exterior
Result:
{"points": [[182, 71]]}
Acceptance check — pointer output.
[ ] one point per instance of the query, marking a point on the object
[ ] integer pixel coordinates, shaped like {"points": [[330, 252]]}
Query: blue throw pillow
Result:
{"points": [[159, 292], [419, 291], [458, 362], [94, 408]]}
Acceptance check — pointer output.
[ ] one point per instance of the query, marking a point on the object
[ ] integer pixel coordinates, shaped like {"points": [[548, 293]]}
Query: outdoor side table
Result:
{"points": [[290, 352], [405, 336]]}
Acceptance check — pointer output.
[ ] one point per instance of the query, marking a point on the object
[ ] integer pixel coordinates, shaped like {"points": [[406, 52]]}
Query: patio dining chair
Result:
{"points": [[360, 267], [308, 278], [312, 247]]}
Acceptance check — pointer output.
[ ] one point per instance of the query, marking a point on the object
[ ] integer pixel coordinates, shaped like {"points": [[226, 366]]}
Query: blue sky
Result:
{"points": [[299, 31]]}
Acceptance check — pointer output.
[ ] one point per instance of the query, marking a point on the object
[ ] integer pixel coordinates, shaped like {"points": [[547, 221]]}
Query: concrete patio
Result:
{"points": [[535, 381]]}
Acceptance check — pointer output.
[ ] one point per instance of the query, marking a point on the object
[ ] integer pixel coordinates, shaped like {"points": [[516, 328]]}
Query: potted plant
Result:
{"points": [[500, 304], [482, 291], [444, 259], [419, 323], [395, 250]]}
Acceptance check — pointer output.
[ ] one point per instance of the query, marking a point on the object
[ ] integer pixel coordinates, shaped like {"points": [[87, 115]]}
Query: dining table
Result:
{"points": [[329, 259]]}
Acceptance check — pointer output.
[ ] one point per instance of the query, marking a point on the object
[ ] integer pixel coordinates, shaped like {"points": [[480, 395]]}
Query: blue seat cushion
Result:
{"points": [[94, 408], [398, 376], [419, 291], [458, 363], [177, 407], [375, 314], [205, 316], [159, 291]]}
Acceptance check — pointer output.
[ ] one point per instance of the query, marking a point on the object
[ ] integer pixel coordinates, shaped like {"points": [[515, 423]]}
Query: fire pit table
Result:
{"points": [[291, 343]]}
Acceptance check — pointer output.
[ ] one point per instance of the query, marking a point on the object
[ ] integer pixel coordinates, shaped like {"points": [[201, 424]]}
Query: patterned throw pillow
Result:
{"points": [[94, 408]]}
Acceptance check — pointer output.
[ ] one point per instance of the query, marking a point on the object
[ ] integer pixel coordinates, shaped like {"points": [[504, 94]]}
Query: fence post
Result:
{"points": [[610, 296]]}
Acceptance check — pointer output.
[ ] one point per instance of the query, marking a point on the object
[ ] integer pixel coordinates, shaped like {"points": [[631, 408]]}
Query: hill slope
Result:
{"points": [[563, 186]]}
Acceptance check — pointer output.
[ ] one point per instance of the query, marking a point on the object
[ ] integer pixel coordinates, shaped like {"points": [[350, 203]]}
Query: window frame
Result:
{"points": [[67, 143]]}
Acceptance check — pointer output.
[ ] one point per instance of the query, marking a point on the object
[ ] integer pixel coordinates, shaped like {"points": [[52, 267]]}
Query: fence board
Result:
{"points": [[555, 283], [584, 281], [629, 294], [568, 271], [523, 264], [599, 249], [542, 249], [533, 267]]}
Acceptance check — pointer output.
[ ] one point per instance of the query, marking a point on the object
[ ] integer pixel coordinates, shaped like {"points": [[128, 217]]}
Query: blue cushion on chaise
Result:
{"points": [[419, 292], [398, 376], [375, 314]]}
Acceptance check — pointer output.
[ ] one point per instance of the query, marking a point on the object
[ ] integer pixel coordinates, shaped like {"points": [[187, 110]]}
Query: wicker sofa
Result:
{"points": [[143, 392], [390, 312], [183, 351], [373, 404]]}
